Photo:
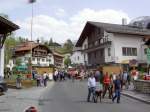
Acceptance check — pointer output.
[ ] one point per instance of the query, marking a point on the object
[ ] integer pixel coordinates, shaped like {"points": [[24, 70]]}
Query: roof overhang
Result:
{"points": [[6, 27]]}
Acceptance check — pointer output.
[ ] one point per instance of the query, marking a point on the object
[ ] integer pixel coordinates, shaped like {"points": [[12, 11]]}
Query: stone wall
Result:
{"points": [[142, 86]]}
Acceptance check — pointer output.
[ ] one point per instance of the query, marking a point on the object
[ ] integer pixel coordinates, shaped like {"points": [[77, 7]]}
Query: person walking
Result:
{"points": [[55, 75], [98, 90], [97, 75], [91, 87], [117, 89], [45, 78], [106, 83], [38, 78], [18, 81], [111, 86]]}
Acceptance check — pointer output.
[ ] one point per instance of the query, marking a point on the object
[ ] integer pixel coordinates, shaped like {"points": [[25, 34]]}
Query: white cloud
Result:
{"points": [[60, 30], [60, 12]]}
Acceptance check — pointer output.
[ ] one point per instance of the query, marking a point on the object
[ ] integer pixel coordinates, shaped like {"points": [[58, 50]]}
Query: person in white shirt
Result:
{"points": [[55, 75], [45, 78], [91, 86]]}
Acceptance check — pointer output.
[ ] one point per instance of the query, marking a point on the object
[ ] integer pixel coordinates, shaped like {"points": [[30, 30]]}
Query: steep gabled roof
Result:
{"points": [[26, 46], [116, 28], [113, 28]]}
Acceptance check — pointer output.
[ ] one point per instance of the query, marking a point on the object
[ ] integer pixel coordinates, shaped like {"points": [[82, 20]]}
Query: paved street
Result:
{"points": [[19, 100], [71, 97]]}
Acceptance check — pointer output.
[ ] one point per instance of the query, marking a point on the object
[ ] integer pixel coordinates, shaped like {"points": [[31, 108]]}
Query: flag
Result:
{"points": [[32, 1]]}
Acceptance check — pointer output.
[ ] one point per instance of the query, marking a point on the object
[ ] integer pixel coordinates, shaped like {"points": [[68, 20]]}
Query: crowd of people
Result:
{"points": [[42, 79], [99, 84]]}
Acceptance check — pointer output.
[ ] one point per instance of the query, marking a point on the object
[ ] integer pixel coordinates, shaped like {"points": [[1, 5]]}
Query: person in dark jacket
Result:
{"points": [[117, 89]]}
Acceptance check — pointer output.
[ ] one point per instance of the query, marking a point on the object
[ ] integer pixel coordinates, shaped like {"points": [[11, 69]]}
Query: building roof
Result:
{"points": [[112, 28], [26, 46], [7, 26], [57, 54], [116, 28]]}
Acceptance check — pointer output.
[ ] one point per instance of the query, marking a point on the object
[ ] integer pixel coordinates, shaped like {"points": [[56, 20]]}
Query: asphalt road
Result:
{"points": [[71, 97]]}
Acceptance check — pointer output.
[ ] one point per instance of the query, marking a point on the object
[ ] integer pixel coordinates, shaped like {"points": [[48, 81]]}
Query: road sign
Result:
{"points": [[148, 55]]}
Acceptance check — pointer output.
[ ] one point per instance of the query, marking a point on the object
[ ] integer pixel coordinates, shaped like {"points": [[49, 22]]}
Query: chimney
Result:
{"points": [[124, 21]]}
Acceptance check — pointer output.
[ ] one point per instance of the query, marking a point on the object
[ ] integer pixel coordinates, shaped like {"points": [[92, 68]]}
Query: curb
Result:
{"points": [[136, 98], [11, 86]]}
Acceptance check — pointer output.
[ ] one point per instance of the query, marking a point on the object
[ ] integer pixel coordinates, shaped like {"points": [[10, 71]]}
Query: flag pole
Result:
{"points": [[31, 1]]}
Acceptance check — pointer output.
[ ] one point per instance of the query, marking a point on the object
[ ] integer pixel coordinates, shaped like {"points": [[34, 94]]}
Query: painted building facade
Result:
{"points": [[41, 55]]}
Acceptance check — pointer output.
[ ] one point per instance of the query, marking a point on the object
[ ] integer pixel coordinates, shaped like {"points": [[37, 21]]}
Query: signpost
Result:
{"points": [[148, 59]]}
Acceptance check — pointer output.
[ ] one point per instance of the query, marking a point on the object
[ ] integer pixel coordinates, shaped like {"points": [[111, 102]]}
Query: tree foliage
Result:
{"points": [[67, 62], [10, 43], [68, 45]]}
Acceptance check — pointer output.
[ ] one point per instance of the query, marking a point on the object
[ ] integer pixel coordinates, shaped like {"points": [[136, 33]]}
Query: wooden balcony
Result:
{"points": [[99, 46]]}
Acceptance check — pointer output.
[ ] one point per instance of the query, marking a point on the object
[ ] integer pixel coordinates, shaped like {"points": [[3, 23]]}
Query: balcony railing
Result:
{"points": [[98, 46]]}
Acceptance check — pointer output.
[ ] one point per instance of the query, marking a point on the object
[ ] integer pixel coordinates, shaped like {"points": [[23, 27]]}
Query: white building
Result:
{"points": [[113, 44], [77, 56], [6, 27]]}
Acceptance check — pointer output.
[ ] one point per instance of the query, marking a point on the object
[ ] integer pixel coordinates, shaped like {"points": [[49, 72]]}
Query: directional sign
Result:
{"points": [[148, 55]]}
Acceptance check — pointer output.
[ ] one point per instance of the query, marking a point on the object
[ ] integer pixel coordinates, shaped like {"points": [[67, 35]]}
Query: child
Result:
{"points": [[99, 89]]}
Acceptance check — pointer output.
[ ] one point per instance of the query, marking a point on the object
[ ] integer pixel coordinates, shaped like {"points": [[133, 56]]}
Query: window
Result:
{"points": [[26, 58], [96, 43], [33, 59], [78, 58], [134, 51], [109, 51], [124, 52], [43, 60], [102, 52], [127, 51]]}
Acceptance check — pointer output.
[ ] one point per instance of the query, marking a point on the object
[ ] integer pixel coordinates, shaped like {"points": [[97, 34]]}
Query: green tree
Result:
{"points": [[68, 46], [67, 62], [10, 43], [18, 62]]}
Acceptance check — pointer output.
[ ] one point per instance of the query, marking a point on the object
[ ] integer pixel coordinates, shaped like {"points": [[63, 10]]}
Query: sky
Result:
{"points": [[65, 19]]}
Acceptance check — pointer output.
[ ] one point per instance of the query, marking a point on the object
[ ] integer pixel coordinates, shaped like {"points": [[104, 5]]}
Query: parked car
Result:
{"points": [[3, 86]]}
